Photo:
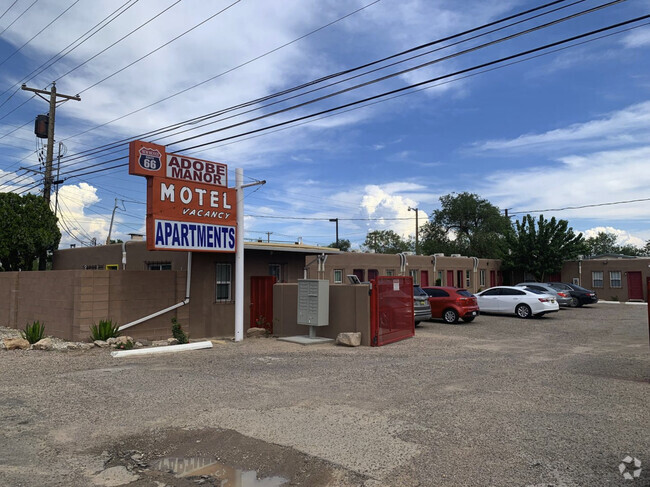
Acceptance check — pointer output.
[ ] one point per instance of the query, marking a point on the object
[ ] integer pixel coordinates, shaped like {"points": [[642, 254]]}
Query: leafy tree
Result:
{"points": [[541, 247], [602, 243], [386, 242], [28, 230], [343, 245], [434, 239], [474, 226]]}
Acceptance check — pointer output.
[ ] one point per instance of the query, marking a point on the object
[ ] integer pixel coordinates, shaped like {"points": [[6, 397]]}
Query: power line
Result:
{"points": [[375, 98], [160, 47], [595, 205], [8, 8], [19, 16], [38, 33], [205, 117]]}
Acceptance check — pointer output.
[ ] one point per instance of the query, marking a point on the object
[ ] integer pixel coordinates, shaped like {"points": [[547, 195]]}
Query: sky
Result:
{"points": [[561, 131]]}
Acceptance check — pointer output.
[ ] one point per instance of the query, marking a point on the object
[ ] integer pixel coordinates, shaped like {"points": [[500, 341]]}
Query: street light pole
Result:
{"points": [[337, 229], [416, 210]]}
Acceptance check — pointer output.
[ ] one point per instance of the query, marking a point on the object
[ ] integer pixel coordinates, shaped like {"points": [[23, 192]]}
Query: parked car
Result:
{"points": [[562, 296], [421, 305], [579, 295], [522, 302], [450, 304]]}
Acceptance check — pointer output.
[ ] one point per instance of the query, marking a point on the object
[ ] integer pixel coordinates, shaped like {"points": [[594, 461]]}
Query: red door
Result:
{"points": [[450, 278], [392, 314], [262, 302], [634, 285], [424, 277], [493, 278], [372, 274]]}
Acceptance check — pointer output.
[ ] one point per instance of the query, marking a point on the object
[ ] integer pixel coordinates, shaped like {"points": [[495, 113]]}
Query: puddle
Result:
{"points": [[229, 476]]}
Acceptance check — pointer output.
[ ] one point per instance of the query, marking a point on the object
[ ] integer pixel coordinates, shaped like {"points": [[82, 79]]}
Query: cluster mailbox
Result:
{"points": [[313, 302]]}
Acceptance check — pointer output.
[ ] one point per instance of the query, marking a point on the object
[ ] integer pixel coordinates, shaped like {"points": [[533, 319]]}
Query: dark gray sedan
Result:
{"points": [[563, 298]]}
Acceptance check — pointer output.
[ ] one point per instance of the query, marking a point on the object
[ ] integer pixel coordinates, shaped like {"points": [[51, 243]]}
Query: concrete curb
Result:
{"points": [[618, 302]]}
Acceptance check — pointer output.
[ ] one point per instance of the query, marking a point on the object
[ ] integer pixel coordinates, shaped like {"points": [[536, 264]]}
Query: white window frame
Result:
{"points": [[595, 280], [338, 276], [390, 272], [415, 274], [278, 273], [468, 279], [227, 282], [612, 279], [481, 277]]}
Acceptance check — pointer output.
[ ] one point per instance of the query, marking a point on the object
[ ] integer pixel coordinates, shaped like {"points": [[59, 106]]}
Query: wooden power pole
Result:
{"points": [[53, 99]]}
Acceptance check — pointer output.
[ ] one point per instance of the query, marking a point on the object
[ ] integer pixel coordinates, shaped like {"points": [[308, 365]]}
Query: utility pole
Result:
{"points": [[53, 99], [268, 237], [337, 229], [416, 210]]}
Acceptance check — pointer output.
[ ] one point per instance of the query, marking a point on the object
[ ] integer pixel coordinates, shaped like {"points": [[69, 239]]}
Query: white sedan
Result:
{"points": [[522, 302]]}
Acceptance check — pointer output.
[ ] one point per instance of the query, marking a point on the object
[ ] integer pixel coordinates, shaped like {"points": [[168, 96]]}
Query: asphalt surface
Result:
{"points": [[500, 401]]}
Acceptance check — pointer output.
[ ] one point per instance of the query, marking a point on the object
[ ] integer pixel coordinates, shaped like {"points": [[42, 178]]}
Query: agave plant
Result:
{"points": [[104, 330], [34, 332]]}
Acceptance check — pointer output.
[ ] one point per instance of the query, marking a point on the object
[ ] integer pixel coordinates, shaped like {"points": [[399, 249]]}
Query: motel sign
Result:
{"points": [[189, 204]]}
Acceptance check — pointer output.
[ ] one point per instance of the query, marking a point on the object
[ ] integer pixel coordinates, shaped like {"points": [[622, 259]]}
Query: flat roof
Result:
{"points": [[286, 247]]}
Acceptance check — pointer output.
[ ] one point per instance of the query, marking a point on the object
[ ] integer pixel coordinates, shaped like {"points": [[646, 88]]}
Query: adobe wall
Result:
{"points": [[583, 272], [349, 311], [69, 302]]}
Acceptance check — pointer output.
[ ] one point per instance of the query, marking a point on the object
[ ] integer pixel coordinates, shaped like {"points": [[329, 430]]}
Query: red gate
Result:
{"points": [[262, 302], [392, 315]]}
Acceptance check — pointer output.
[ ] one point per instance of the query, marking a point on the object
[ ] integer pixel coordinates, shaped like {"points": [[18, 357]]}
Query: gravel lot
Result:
{"points": [[501, 401]]}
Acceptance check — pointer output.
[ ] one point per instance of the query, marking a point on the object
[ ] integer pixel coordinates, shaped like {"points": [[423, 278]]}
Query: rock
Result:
{"points": [[123, 340], [172, 341], [16, 344], [352, 339], [111, 341], [115, 476], [44, 344], [138, 345], [257, 332], [85, 346], [144, 342], [71, 346], [101, 343], [159, 343]]}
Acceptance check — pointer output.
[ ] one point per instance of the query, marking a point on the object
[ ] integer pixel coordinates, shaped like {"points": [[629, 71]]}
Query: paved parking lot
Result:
{"points": [[501, 401]]}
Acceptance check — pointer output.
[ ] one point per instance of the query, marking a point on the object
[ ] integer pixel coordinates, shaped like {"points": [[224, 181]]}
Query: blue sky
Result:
{"points": [[565, 129]]}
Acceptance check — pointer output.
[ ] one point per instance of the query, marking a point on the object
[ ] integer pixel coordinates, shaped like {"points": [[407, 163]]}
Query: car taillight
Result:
{"points": [[545, 300], [564, 295]]}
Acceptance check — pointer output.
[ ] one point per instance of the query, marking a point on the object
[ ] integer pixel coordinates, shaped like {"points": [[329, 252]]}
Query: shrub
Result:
{"points": [[178, 333], [105, 330], [261, 322], [438, 282], [124, 346], [34, 332]]}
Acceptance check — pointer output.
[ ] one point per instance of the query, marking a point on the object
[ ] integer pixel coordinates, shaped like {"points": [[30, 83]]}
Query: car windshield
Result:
{"points": [[560, 287], [465, 293]]}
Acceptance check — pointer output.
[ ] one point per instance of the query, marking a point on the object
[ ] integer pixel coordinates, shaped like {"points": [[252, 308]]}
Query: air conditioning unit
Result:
{"points": [[441, 254], [455, 255]]}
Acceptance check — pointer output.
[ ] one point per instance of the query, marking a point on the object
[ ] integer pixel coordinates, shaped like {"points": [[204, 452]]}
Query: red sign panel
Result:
{"points": [[189, 206]]}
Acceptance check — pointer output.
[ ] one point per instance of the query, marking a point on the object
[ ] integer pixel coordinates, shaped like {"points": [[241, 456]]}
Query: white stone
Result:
{"points": [[256, 332], [16, 344], [350, 339], [44, 344]]}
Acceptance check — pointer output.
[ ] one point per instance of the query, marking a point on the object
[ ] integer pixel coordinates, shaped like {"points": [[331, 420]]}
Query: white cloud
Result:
{"points": [[624, 127], [77, 225], [623, 237], [384, 202], [637, 38]]}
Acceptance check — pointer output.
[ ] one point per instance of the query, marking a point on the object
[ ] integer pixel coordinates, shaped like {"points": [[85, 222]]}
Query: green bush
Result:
{"points": [[105, 330], [178, 333], [125, 346], [34, 332]]}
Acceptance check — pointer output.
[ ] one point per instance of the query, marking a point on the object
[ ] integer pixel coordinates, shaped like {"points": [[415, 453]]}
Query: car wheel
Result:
{"points": [[575, 302], [469, 319], [523, 311], [450, 316]]}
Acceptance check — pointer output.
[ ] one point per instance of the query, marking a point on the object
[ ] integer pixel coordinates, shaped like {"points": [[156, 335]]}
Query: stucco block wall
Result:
{"points": [[69, 302], [349, 311]]}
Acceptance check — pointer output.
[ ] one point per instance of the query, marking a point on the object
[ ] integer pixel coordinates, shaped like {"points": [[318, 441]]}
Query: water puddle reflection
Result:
{"points": [[229, 476]]}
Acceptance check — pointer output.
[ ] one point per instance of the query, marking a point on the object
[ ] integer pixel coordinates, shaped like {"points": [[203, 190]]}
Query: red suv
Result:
{"points": [[450, 304]]}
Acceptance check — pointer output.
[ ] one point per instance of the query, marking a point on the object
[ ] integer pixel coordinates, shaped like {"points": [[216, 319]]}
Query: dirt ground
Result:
{"points": [[559, 401]]}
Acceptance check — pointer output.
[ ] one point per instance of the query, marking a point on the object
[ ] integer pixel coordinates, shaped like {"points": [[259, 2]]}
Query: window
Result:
{"points": [[511, 292], [597, 278], [468, 281], [437, 293], [481, 277], [414, 275], [338, 276], [159, 266], [615, 279], [224, 282], [439, 279], [390, 272], [276, 270]]}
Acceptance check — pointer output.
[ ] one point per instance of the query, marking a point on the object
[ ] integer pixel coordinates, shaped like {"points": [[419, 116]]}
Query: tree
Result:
{"points": [[602, 243], [343, 245], [434, 239], [386, 242], [28, 230], [474, 226], [540, 249]]}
